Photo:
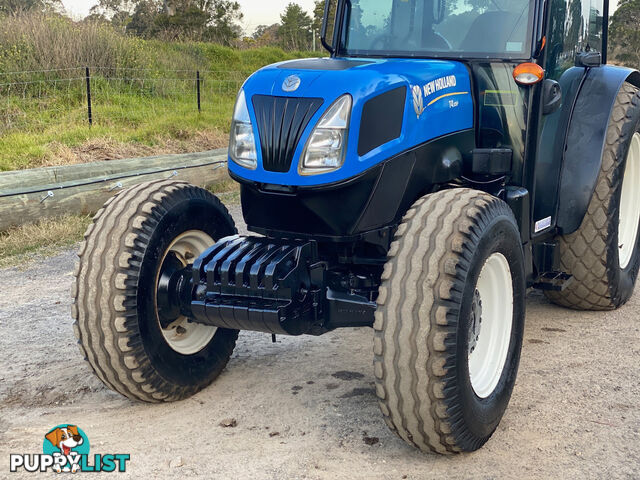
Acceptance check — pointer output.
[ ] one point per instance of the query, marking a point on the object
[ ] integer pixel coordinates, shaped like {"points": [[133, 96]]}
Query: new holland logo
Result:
{"points": [[291, 83], [418, 101], [427, 93]]}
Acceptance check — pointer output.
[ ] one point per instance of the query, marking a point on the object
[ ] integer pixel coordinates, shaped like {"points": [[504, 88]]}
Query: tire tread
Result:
{"points": [[105, 290], [431, 247], [584, 253]]}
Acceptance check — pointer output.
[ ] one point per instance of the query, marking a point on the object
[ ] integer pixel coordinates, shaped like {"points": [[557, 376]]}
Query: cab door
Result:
{"points": [[573, 27]]}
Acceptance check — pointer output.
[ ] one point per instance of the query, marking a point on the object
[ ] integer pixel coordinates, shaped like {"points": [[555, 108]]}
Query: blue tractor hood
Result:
{"points": [[432, 99]]}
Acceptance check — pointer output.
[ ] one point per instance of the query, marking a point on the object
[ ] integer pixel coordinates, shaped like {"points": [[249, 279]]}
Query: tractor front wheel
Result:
{"points": [[138, 343], [449, 326]]}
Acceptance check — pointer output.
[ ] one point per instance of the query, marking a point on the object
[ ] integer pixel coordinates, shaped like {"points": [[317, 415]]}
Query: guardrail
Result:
{"points": [[29, 195]]}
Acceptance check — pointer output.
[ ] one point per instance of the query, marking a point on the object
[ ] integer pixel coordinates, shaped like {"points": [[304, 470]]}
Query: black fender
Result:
{"points": [[585, 141]]}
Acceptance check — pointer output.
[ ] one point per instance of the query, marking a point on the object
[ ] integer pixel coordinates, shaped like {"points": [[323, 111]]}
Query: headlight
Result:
{"points": [[242, 145], [327, 146]]}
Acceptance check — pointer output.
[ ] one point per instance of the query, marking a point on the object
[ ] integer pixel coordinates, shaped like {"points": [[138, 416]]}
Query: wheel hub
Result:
{"points": [[476, 321], [171, 289], [173, 294]]}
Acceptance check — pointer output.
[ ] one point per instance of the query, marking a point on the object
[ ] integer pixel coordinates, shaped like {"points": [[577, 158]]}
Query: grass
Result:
{"points": [[143, 92], [48, 237], [153, 132], [124, 114], [227, 191]]}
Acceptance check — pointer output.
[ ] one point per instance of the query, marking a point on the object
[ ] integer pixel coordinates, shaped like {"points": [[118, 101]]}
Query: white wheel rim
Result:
{"points": [[184, 336], [489, 339], [630, 204]]}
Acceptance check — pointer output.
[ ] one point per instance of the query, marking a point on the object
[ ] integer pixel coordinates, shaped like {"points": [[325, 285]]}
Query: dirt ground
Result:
{"points": [[305, 407]]}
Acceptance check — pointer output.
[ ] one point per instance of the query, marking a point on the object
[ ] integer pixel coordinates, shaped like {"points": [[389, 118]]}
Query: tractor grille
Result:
{"points": [[281, 122]]}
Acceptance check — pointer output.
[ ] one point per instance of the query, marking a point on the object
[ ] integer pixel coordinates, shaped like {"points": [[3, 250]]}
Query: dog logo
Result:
{"points": [[65, 438], [67, 441], [291, 83], [418, 100]]}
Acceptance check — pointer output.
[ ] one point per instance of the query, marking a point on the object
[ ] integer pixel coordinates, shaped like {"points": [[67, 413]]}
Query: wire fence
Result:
{"points": [[111, 96]]}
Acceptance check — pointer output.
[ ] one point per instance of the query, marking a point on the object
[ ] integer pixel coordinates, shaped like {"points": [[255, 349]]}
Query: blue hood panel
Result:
{"points": [[438, 102]]}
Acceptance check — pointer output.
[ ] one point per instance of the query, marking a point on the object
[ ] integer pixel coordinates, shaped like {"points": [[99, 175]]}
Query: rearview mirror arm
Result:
{"points": [[323, 34]]}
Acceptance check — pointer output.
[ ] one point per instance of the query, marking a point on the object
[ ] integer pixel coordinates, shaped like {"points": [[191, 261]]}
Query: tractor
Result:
{"points": [[446, 157]]}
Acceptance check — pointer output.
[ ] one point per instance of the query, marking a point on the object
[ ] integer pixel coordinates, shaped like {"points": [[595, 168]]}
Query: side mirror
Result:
{"points": [[588, 59], [551, 96]]}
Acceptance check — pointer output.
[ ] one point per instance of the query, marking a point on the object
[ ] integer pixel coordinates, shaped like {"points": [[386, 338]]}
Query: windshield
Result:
{"points": [[438, 28]]}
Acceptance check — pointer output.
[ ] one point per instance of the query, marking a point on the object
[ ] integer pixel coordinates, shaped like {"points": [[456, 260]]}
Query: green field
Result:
{"points": [[143, 92]]}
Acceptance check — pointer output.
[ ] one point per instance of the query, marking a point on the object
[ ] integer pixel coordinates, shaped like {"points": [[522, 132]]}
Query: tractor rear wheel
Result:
{"points": [[450, 320], [603, 255], [137, 247]]}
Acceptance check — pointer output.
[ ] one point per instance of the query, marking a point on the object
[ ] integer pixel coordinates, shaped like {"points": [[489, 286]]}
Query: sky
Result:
{"points": [[256, 12]]}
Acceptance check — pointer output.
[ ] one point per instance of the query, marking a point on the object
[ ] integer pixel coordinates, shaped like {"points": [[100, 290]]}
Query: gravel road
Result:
{"points": [[305, 407]]}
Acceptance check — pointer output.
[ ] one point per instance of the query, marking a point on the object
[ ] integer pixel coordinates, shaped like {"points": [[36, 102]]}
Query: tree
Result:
{"points": [[265, 35], [624, 33], [142, 22], [224, 18], [215, 20], [295, 28], [118, 12], [15, 6], [259, 31], [188, 22], [109, 8]]}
